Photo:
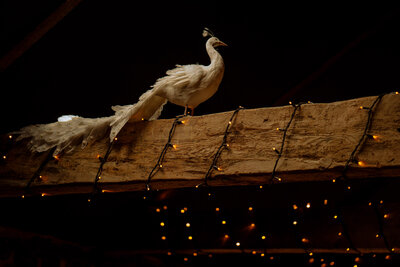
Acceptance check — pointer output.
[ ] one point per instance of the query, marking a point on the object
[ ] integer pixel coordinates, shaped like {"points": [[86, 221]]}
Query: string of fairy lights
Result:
{"points": [[297, 211]]}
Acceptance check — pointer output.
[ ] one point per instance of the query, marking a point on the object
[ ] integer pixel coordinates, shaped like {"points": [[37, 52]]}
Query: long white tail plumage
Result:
{"points": [[67, 135]]}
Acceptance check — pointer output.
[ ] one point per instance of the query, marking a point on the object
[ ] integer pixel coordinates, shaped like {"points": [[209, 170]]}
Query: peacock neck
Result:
{"points": [[215, 57]]}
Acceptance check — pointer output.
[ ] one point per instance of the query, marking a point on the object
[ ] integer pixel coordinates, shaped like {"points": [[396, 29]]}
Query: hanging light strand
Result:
{"points": [[103, 160], [36, 175], [160, 160], [284, 130], [223, 145], [363, 136], [382, 235]]}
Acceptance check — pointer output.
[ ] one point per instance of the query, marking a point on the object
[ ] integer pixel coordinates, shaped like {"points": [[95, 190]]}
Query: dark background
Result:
{"points": [[107, 53]]}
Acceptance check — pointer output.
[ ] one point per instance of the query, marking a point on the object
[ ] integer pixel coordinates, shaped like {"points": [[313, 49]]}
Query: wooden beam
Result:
{"points": [[33, 37], [318, 144]]}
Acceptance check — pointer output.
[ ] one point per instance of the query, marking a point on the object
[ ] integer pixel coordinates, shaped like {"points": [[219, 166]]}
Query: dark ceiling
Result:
{"points": [[106, 53]]}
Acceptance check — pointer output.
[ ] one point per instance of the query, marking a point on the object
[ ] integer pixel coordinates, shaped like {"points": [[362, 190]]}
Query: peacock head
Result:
{"points": [[214, 41]]}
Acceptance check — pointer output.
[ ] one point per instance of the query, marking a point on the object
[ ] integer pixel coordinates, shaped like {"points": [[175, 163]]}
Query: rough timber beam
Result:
{"points": [[318, 144]]}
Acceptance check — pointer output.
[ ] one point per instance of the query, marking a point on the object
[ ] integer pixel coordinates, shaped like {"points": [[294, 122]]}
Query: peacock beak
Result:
{"points": [[220, 43]]}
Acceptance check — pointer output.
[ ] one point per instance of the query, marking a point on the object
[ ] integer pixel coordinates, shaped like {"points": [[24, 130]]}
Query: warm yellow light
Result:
{"points": [[250, 208], [223, 222], [227, 145], [261, 186], [163, 237], [325, 202], [254, 252], [279, 179], [190, 237], [187, 224], [361, 163], [4, 157], [56, 157], [226, 236], [310, 253], [185, 208], [160, 165], [294, 222], [238, 244], [305, 240], [216, 209], [262, 254], [98, 156], [357, 259], [142, 119], [339, 234], [185, 259], [10, 136], [381, 202], [219, 168], [195, 254], [290, 102], [369, 203], [333, 180], [99, 177], [396, 93], [355, 265], [115, 139], [375, 137], [295, 207], [308, 205], [174, 146], [22, 196], [230, 122], [158, 210], [169, 253], [386, 216], [311, 260], [182, 211], [271, 258], [43, 194], [277, 129], [335, 216], [377, 235], [263, 237], [183, 122], [252, 225], [332, 263], [162, 224], [165, 207], [387, 257], [361, 107], [347, 249], [349, 187]]}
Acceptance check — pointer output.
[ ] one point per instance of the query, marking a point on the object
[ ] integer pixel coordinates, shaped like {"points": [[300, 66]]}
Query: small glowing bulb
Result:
{"points": [[187, 224], [56, 157], [252, 225], [381, 202], [229, 122], [99, 177], [160, 165], [357, 259], [311, 260], [174, 146], [396, 93], [387, 257], [89, 200], [103, 190], [182, 211], [254, 252], [190, 237], [23, 196], [162, 224], [195, 254], [295, 207], [223, 222], [219, 168], [347, 249], [369, 203], [43, 194], [361, 107], [361, 163], [185, 259], [277, 129], [290, 103], [304, 240], [98, 156], [349, 187], [335, 216], [294, 222], [165, 207], [333, 180], [263, 237], [261, 186], [262, 254], [4, 157], [217, 209], [250, 208], [169, 253], [142, 119], [183, 122], [386, 216], [339, 234], [115, 139], [238, 244], [227, 145], [377, 235], [308, 205], [10, 136], [325, 202], [271, 258], [226, 236], [332, 263], [310, 253], [163, 237], [158, 210]]}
